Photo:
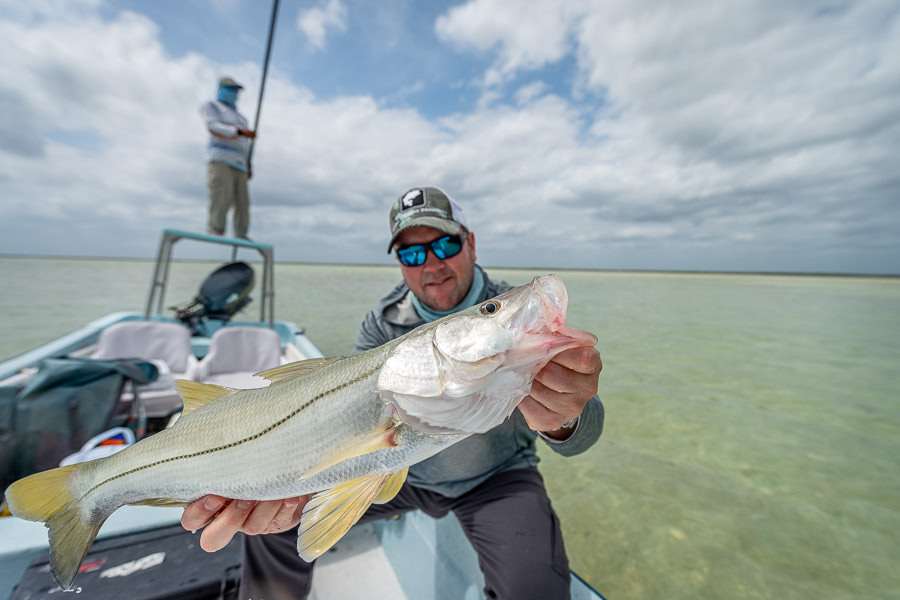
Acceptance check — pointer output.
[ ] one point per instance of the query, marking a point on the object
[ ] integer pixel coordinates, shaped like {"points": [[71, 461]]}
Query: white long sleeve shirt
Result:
{"points": [[225, 145]]}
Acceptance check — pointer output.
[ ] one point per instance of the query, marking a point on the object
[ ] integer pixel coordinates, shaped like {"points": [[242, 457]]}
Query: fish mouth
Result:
{"points": [[546, 315], [545, 311], [552, 294], [574, 338]]}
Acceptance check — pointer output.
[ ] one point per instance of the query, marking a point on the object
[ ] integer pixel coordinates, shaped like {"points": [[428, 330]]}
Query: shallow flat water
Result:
{"points": [[752, 442]]}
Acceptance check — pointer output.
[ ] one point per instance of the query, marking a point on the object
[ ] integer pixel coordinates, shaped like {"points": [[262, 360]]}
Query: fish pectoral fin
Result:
{"points": [[195, 394], [331, 513], [378, 441], [164, 502], [391, 487], [295, 369]]}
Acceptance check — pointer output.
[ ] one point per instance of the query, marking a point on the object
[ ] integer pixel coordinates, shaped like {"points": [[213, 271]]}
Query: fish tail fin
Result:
{"points": [[46, 497]]}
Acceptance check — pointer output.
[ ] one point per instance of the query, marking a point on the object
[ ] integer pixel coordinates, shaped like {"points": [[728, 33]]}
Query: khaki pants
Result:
{"points": [[227, 190]]}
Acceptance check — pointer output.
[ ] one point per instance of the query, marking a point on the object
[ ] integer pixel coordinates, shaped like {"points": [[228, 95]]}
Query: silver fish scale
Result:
{"points": [[251, 444]]}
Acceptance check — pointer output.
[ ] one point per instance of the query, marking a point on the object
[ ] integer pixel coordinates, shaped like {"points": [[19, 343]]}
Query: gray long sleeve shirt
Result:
{"points": [[464, 465]]}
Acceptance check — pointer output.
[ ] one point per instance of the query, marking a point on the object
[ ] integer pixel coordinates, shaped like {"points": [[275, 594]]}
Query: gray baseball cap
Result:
{"points": [[425, 207]]}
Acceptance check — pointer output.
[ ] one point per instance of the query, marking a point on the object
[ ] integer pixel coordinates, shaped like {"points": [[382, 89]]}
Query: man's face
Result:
{"points": [[440, 284]]}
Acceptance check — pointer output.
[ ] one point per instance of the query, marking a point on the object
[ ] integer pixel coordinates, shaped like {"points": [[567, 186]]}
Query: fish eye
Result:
{"points": [[490, 307]]}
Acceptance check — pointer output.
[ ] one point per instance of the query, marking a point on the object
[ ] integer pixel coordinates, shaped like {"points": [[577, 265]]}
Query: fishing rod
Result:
{"points": [[262, 85]]}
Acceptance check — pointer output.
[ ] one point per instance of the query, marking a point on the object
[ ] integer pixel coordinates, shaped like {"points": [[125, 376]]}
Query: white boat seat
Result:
{"points": [[236, 353], [149, 340], [167, 345]]}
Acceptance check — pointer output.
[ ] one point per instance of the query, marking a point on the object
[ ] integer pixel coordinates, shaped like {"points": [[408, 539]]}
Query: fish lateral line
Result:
{"points": [[235, 443]]}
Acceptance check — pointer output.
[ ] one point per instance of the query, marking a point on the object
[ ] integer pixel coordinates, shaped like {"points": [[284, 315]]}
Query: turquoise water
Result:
{"points": [[752, 444]]}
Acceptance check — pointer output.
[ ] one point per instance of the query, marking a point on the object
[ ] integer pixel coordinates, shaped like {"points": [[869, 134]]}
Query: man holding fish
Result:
{"points": [[489, 480]]}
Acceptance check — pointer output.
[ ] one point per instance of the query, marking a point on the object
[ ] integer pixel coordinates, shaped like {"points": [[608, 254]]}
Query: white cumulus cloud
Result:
{"points": [[316, 22]]}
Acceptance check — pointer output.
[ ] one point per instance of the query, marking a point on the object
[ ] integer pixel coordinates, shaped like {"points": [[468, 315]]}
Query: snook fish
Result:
{"points": [[346, 428]]}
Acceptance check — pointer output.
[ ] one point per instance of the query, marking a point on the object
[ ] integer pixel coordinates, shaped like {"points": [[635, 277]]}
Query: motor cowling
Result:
{"points": [[222, 294]]}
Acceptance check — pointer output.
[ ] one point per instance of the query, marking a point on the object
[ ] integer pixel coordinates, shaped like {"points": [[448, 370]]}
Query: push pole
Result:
{"points": [[262, 85]]}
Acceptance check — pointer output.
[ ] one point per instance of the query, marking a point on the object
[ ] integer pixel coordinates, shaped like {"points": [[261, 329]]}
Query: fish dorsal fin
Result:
{"points": [[195, 394], [379, 440], [331, 513], [295, 369]]}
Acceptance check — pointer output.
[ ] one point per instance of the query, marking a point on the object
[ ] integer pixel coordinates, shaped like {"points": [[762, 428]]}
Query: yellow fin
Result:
{"points": [[195, 394], [330, 514], [377, 441], [40, 496], [45, 497], [392, 487], [295, 369], [166, 502]]}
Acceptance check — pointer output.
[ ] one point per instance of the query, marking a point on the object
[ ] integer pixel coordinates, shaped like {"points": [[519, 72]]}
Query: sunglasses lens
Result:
{"points": [[447, 247], [411, 256]]}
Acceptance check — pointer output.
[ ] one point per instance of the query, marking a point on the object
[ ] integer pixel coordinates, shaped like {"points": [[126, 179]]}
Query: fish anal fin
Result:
{"points": [[295, 369], [391, 487], [379, 440], [331, 513], [195, 394]]}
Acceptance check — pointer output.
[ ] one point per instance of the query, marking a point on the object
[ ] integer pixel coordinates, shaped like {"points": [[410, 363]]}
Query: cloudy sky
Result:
{"points": [[744, 135]]}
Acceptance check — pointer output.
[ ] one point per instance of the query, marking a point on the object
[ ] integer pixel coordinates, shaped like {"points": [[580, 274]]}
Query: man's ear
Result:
{"points": [[471, 242]]}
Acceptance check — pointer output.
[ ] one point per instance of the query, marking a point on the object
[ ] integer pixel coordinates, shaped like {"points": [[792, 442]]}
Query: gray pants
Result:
{"points": [[227, 190], [508, 519]]}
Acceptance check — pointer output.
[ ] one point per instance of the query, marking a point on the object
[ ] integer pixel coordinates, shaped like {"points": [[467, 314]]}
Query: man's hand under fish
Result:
{"points": [[558, 395]]}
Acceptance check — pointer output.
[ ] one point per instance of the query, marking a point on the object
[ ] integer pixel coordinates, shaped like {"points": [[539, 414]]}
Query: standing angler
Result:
{"points": [[228, 170], [489, 480]]}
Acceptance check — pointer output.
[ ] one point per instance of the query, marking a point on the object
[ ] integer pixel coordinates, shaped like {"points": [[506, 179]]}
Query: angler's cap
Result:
{"points": [[425, 207], [229, 82]]}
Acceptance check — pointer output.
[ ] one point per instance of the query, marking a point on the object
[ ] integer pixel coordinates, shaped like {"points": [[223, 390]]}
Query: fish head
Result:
{"points": [[467, 372]]}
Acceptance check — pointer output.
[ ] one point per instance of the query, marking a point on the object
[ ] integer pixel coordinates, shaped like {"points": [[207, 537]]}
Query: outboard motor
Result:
{"points": [[223, 293]]}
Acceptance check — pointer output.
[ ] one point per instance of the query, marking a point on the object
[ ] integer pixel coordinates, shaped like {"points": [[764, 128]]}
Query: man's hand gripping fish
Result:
{"points": [[346, 429]]}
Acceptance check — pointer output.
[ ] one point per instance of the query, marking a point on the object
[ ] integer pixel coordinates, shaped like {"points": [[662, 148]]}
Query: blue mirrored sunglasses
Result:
{"points": [[445, 247]]}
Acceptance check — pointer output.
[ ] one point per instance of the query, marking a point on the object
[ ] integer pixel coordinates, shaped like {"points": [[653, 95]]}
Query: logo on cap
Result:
{"points": [[412, 199]]}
